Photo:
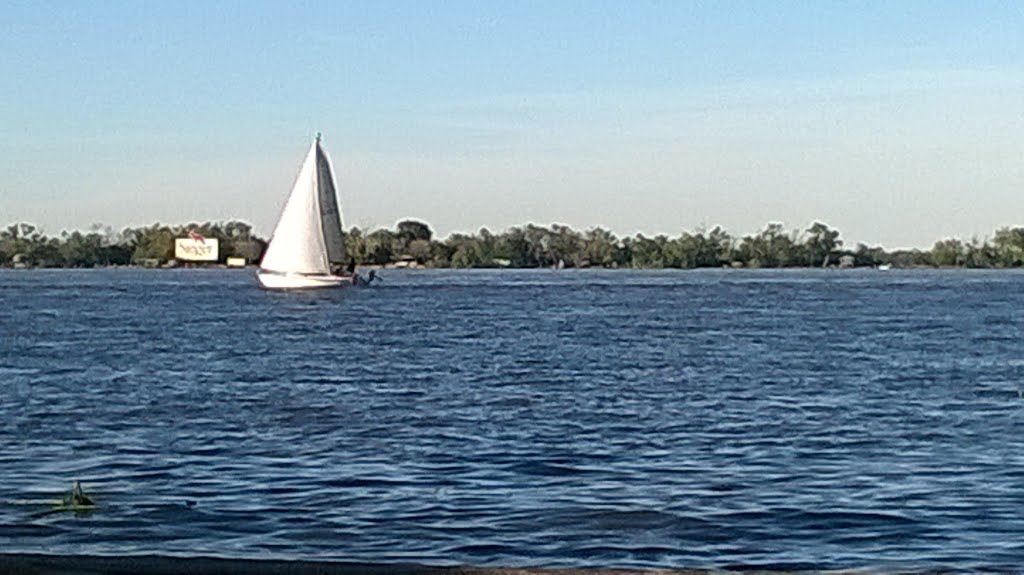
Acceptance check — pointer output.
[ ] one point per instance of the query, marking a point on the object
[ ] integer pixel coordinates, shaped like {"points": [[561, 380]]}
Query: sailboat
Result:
{"points": [[307, 247]]}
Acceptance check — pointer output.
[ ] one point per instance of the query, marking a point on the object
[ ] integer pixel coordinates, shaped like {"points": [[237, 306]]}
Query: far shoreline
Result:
{"points": [[412, 244]]}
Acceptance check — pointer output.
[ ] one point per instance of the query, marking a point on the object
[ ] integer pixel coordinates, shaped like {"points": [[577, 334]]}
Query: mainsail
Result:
{"points": [[308, 237], [330, 215]]}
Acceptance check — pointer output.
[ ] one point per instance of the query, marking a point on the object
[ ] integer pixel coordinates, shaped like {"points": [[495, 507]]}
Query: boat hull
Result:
{"points": [[270, 280]]}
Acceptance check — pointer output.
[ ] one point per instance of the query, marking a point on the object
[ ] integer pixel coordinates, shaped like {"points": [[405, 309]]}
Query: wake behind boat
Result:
{"points": [[307, 249]]}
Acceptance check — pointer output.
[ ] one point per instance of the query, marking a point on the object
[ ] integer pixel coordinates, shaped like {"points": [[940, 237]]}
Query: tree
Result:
{"points": [[820, 244], [865, 256], [411, 230], [14, 241], [648, 253], [466, 252], [771, 248], [514, 246], [379, 247], [420, 250], [564, 244], [1008, 245], [81, 251], [538, 240], [949, 252], [155, 242], [355, 245], [979, 254], [599, 247], [701, 250]]}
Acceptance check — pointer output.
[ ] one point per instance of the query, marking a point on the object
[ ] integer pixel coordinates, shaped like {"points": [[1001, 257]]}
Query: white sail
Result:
{"points": [[330, 214], [298, 245]]}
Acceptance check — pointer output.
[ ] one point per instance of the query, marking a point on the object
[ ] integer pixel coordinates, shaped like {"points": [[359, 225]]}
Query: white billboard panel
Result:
{"points": [[196, 249]]}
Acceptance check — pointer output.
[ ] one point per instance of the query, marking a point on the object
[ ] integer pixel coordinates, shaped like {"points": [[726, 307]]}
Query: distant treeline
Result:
{"points": [[25, 245], [529, 246]]}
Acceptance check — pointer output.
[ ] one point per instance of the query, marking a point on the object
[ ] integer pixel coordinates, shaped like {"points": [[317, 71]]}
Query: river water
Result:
{"points": [[789, 419]]}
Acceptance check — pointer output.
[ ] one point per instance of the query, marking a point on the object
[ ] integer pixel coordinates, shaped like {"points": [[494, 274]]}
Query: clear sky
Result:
{"points": [[896, 122]]}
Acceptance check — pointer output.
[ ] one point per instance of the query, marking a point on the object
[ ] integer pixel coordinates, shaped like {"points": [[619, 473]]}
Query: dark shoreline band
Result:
{"points": [[42, 564]]}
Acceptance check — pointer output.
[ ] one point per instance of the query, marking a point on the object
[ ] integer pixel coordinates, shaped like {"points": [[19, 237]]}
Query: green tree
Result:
{"points": [[81, 251], [701, 250], [647, 252], [565, 245], [821, 244], [599, 248], [489, 247], [420, 250], [1008, 247], [355, 245], [514, 246], [948, 253], [155, 242], [411, 230], [466, 251], [771, 248], [865, 256], [14, 240], [978, 254], [379, 247]]}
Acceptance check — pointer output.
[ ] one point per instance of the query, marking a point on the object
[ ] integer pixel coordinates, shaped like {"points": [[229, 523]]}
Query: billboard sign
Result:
{"points": [[196, 248]]}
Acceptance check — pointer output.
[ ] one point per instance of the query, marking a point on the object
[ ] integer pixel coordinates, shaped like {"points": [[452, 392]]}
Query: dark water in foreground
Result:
{"points": [[815, 419]]}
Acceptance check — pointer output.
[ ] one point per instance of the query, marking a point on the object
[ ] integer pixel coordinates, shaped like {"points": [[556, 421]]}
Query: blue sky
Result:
{"points": [[896, 122]]}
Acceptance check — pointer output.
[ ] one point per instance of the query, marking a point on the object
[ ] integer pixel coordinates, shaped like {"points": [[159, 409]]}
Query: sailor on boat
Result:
{"points": [[359, 281], [369, 279]]}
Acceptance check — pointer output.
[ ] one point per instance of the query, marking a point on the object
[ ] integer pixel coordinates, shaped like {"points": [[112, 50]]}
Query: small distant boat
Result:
{"points": [[884, 267], [307, 249]]}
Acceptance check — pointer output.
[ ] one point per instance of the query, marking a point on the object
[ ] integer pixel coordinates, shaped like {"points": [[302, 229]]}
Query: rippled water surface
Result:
{"points": [[794, 419]]}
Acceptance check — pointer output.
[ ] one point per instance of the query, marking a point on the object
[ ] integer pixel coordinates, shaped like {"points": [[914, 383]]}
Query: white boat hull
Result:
{"points": [[271, 280]]}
